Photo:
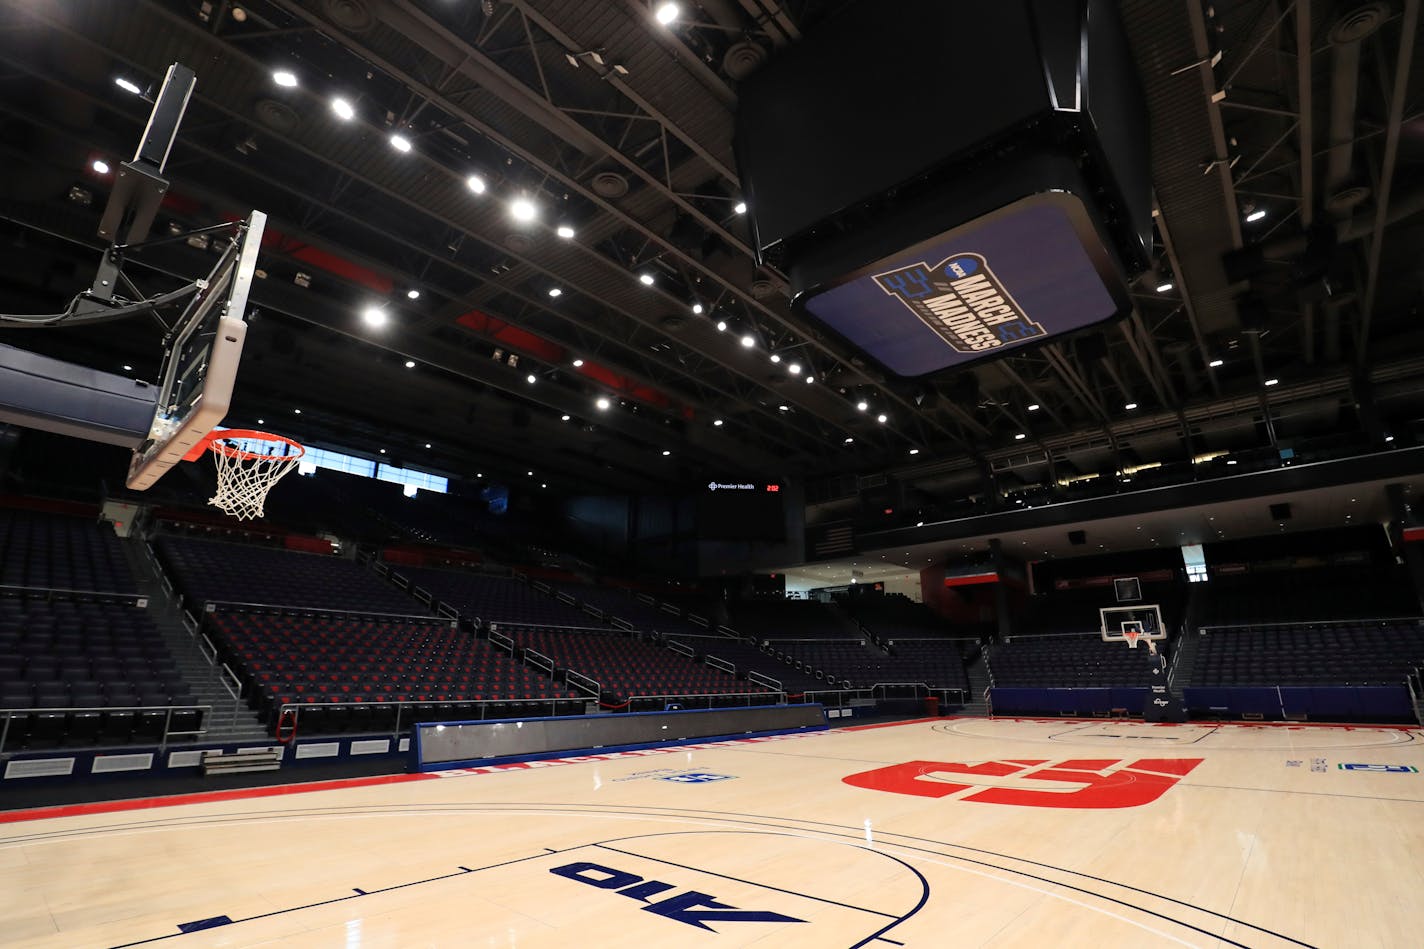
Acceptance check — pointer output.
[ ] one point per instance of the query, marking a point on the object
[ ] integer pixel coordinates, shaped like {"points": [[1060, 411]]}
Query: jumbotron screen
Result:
{"points": [[741, 509], [1031, 271]]}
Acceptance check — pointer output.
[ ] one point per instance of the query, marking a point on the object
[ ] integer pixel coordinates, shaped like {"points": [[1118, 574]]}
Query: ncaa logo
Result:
{"points": [[962, 300]]}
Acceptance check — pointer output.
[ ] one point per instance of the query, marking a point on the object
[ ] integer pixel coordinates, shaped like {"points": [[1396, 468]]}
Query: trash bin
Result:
{"points": [[932, 707]]}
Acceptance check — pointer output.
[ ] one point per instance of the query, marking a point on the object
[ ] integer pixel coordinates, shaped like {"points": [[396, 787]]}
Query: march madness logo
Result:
{"points": [[1087, 783], [961, 300]]}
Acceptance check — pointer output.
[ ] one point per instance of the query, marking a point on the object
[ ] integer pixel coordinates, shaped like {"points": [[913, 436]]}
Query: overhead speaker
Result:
{"points": [[1280, 512], [990, 188], [1077, 538]]}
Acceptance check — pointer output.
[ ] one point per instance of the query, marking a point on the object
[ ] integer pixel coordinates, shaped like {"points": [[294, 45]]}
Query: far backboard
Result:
{"points": [[200, 361]]}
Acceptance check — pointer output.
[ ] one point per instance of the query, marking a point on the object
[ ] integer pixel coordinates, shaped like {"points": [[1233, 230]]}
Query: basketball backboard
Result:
{"points": [[1119, 623], [200, 361]]}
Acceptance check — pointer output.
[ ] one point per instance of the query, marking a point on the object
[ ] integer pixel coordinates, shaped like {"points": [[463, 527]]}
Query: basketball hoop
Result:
{"points": [[1131, 636], [245, 477]]}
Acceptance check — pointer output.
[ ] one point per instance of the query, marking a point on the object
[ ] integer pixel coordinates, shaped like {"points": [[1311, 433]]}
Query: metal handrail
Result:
{"points": [[716, 662], [1316, 622], [12, 713], [236, 693], [682, 649], [708, 695], [580, 681], [403, 706], [761, 678], [212, 606], [539, 660]]}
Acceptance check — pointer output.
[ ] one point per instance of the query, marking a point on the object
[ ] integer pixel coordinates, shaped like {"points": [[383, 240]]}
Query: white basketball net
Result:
{"points": [[244, 479]]}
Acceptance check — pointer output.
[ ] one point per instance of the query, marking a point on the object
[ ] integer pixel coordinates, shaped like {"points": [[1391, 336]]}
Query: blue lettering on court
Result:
{"points": [[1381, 768], [697, 777], [689, 907]]}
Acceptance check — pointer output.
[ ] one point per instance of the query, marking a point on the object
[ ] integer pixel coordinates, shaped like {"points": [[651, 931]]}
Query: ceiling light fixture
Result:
{"points": [[882, 418], [1165, 286], [531, 378], [748, 341], [914, 451], [476, 184], [522, 209], [130, 369], [285, 78], [697, 309], [1020, 437], [374, 317], [775, 357], [343, 110], [127, 85], [410, 363], [603, 405], [666, 13], [1256, 215], [794, 369], [1033, 406], [564, 418], [399, 142], [666, 453], [100, 166], [810, 379], [721, 326], [1216, 363], [717, 422], [740, 207], [578, 363], [427, 444], [848, 440], [646, 279], [412, 294], [555, 292], [565, 231], [862, 405], [1271, 382], [1130, 406]]}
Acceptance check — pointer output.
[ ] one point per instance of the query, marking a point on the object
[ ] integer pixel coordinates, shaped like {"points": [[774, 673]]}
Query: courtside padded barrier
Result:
{"points": [[1009, 700], [1384, 703], [445, 745]]}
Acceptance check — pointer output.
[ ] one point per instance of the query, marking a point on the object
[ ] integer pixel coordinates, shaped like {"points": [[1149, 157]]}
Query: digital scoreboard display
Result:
{"points": [[742, 509], [1023, 274]]}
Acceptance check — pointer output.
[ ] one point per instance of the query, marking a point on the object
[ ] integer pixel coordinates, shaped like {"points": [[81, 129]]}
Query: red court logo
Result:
{"points": [[1079, 783]]}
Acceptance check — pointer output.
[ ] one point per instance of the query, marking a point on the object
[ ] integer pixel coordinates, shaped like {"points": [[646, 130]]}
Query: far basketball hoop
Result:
{"points": [[1132, 624], [248, 464]]}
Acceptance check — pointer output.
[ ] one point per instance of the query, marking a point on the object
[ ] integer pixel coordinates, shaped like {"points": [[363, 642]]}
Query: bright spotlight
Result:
{"points": [[1255, 215], [1164, 287], [578, 363], [740, 207], [646, 279], [697, 309], [531, 378], [564, 231], [285, 78], [882, 418], [667, 12], [412, 294], [476, 184], [748, 341], [555, 292], [399, 142], [862, 405], [410, 364], [100, 166], [794, 369], [374, 317], [522, 209], [603, 405], [127, 85], [721, 326], [344, 110]]}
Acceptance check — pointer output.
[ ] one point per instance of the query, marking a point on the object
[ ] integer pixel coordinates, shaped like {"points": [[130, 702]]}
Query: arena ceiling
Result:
{"points": [[1287, 161]]}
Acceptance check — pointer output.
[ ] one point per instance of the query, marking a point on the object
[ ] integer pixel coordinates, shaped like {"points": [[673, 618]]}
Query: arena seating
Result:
{"points": [[894, 616], [61, 552], [494, 599], [627, 607], [1345, 653], [372, 664], [239, 573], [790, 619], [936, 662], [86, 656], [748, 657], [1068, 661], [1308, 595], [625, 666]]}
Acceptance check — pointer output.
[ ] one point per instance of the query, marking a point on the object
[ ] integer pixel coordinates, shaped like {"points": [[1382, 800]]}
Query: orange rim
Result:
{"points": [[216, 439]]}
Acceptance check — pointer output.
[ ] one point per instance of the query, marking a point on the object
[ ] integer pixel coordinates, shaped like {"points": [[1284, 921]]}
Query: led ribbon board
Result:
{"points": [[1024, 274]]}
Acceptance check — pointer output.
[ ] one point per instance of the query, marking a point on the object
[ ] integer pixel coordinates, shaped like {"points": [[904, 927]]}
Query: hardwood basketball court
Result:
{"points": [[962, 832]]}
